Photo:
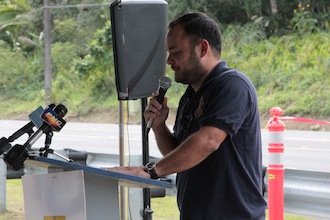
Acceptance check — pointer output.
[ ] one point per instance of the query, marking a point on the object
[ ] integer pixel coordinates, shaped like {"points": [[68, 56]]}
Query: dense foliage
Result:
{"points": [[284, 49]]}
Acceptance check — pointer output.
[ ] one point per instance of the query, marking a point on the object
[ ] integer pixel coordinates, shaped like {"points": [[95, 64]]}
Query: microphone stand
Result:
{"points": [[16, 156], [44, 151], [146, 213]]}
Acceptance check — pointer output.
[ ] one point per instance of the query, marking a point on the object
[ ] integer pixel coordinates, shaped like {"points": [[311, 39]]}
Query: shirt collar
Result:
{"points": [[218, 69]]}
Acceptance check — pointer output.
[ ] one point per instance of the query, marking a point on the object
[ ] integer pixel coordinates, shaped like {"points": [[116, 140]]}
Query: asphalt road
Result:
{"points": [[304, 150]]}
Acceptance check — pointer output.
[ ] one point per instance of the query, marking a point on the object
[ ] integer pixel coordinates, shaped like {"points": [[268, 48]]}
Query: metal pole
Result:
{"points": [[47, 43], [147, 211], [123, 154], [3, 178]]}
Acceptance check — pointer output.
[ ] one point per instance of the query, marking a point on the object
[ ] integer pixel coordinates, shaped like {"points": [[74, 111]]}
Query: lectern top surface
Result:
{"points": [[123, 179]]}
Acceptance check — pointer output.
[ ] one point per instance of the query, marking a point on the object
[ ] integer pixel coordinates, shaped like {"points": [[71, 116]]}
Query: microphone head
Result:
{"points": [[165, 82], [53, 117], [51, 106], [61, 110]]}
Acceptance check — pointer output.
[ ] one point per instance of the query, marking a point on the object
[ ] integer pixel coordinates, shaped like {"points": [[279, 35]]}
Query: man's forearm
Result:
{"points": [[165, 140]]}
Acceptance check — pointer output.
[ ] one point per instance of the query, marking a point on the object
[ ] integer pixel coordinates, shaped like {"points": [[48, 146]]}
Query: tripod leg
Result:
{"points": [[61, 156]]}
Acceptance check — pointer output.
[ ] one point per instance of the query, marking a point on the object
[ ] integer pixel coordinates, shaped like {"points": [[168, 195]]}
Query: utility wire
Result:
{"points": [[77, 6]]}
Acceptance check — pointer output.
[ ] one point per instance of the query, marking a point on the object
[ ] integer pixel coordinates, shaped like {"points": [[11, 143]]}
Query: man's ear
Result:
{"points": [[204, 46]]}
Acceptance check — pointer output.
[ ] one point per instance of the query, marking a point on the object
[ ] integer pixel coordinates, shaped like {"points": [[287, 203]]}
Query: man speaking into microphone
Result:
{"points": [[215, 148]]}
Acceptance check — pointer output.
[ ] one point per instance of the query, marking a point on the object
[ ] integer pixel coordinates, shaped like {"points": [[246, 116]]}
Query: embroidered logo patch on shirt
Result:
{"points": [[200, 108]]}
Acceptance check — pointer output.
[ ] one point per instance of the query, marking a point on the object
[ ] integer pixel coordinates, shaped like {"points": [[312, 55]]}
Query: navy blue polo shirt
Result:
{"points": [[228, 183]]}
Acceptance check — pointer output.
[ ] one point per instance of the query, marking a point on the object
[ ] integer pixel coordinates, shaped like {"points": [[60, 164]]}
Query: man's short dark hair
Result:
{"points": [[199, 26]]}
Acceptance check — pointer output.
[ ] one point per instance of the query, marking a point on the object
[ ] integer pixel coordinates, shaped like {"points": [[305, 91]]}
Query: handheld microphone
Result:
{"points": [[28, 128], [164, 83], [51, 121], [5, 142]]}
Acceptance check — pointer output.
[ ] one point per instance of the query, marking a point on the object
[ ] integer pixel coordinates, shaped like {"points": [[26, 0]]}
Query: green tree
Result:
{"points": [[97, 67], [15, 25]]}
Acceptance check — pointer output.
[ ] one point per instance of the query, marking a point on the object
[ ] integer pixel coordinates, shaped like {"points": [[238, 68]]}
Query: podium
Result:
{"points": [[77, 192]]}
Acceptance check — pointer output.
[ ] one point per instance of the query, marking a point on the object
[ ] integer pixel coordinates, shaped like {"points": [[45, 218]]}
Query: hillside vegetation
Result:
{"points": [[289, 71], [289, 66]]}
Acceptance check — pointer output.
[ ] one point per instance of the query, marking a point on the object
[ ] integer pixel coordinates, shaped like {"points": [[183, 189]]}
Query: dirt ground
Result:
{"points": [[112, 116]]}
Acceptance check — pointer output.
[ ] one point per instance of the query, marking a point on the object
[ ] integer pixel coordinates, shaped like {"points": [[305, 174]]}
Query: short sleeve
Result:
{"points": [[228, 104]]}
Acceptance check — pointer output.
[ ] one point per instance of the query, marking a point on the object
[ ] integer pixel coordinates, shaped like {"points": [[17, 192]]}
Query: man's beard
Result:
{"points": [[192, 72]]}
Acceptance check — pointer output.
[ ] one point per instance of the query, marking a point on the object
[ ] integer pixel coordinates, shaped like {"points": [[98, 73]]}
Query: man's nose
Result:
{"points": [[169, 60]]}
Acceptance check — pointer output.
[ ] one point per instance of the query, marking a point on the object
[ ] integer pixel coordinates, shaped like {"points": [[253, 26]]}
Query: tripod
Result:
{"points": [[44, 151]]}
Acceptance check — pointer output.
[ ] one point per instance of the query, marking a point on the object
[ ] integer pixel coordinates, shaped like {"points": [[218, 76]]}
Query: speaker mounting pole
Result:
{"points": [[146, 213]]}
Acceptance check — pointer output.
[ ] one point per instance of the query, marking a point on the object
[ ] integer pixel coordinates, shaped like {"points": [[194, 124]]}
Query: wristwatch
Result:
{"points": [[150, 168]]}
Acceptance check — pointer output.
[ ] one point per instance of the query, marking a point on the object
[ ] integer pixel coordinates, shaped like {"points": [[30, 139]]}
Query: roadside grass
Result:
{"points": [[14, 201], [164, 208]]}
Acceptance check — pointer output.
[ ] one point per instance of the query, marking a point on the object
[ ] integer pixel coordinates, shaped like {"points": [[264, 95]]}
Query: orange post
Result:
{"points": [[275, 166]]}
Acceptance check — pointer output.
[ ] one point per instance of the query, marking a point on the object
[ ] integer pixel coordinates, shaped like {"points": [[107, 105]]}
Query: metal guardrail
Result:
{"points": [[306, 193]]}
